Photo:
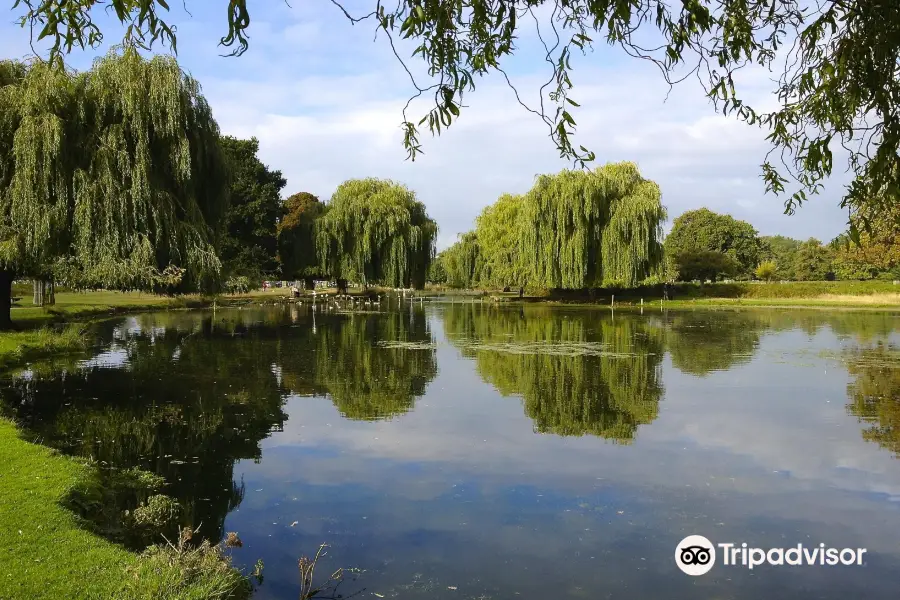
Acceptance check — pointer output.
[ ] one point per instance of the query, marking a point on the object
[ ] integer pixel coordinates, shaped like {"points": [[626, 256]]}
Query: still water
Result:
{"points": [[477, 451]]}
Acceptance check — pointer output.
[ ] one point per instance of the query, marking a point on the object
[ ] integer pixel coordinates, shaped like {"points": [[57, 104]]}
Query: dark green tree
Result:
{"points": [[813, 261], [108, 178], [297, 238], [702, 230], [781, 250], [836, 65], [705, 265], [249, 245]]}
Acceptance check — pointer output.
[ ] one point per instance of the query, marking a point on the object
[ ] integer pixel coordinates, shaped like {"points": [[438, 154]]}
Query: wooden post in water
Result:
{"points": [[613, 301]]}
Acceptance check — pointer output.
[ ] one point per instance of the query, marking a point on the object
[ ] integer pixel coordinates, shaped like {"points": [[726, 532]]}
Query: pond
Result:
{"points": [[469, 450]]}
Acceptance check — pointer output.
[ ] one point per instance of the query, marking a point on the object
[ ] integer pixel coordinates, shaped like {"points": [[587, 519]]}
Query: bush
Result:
{"points": [[766, 271]]}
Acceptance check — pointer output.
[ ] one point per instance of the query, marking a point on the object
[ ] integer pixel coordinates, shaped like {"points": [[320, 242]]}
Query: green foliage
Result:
{"points": [[782, 251], [837, 66], [766, 271], [248, 244], [500, 231], [159, 511], [112, 177], [239, 284], [587, 229], [705, 265], [813, 261], [463, 262], [437, 274], [376, 232], [702, 230], [297, 236], [573, 230], [185, 571]]}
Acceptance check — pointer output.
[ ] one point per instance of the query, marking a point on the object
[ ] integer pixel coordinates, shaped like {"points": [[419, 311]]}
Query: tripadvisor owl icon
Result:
{"points": [[695, 555]]}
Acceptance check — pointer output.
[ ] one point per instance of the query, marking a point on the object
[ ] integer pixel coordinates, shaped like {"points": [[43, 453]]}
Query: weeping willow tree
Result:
{"points": [[108, 178], [375, 231], [296, 234], [576, 376], [499, 229], [463, 262], [587, 229]]}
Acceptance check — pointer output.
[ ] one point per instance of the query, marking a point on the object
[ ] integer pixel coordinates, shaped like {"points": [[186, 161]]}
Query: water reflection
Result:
{"points": [[582, 373], [406, 440], [185, 397], [874, 393]]}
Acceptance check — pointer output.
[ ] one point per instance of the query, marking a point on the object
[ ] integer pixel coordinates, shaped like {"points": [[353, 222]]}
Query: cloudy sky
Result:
{"points": [[324, 98]]}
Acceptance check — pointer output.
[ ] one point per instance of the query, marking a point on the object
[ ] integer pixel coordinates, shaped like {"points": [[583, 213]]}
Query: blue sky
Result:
{"points": [[325, 98]]}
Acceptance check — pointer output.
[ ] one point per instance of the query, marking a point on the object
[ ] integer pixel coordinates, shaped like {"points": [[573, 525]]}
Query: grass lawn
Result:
{"points": [[73, 305], [43, 552]]}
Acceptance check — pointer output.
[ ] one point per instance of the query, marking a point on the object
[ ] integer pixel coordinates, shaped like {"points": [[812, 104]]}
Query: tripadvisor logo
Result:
{"points": [[696, 555]]}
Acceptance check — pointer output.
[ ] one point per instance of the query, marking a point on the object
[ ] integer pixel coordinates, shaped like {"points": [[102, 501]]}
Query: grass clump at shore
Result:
{"points": [[45, 553], [19, 346]]}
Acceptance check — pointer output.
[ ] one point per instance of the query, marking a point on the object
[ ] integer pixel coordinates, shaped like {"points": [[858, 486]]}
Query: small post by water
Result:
{"points": [[613, 301], [642, 303]]}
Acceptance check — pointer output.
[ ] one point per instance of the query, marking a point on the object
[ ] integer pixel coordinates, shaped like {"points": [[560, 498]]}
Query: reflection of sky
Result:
{"points": [[461, 493]]}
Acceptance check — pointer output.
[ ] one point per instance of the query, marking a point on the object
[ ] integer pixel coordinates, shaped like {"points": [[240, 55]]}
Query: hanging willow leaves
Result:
{"points": [[110, 178], [463, 262], [375, 231], [587, 229], [499, 229]]}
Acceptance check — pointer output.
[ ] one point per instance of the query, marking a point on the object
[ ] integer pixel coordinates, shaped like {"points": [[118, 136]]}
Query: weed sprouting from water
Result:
{"points": [[328, 589]]}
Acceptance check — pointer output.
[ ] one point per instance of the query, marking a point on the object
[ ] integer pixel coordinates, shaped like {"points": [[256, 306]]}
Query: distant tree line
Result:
{"points": [[702, 245]]}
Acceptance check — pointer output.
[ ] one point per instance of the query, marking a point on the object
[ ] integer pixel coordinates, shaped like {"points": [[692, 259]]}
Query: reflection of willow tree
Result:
{"points": [[702, 342], [370, 365], [186, 405], [874, 393], [577, 372]]}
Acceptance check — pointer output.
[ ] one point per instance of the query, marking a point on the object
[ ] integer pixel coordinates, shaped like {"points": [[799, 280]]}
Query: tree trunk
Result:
{"points": [[342, 286], [309, 283], [38, 288], [6, 279], [51, 293]]}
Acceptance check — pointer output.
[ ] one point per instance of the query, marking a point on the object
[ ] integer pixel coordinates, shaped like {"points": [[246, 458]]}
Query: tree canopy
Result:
{"points": [[296, 234], [573, 230], [813, 261], [249, 241], [782, 251], [836, 66], [112, 177], [376, 231], [703, 230]]}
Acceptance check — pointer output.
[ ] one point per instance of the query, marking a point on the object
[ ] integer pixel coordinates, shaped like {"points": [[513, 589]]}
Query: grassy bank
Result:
{"points": [[45, 553], [80, 305], [835, 294]]}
